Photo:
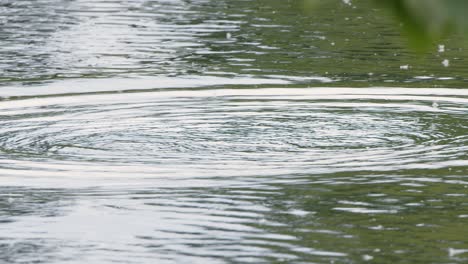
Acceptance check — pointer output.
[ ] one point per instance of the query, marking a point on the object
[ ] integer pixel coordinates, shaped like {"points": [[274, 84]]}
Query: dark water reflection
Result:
{"points": [[354, 45], [149, 131]]}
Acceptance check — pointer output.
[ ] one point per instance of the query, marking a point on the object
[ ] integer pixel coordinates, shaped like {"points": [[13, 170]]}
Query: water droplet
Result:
{"points": [[446, 63], [441, 48]]}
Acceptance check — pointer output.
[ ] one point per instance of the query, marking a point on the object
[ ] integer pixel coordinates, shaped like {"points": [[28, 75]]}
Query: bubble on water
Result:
{"points": [[441, 48], [446, 63], [347, 2]]}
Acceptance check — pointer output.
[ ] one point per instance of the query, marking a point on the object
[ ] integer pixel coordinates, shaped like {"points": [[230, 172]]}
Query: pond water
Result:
{"points": [[228, 131]]}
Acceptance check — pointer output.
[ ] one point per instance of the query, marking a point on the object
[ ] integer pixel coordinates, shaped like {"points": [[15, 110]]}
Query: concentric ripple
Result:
{"points": [[143, 131], [274, 175], [216, 132]]}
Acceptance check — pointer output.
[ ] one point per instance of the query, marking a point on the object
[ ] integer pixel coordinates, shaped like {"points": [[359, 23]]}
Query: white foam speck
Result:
{"points": [[453, 252], [446, 63], [297, 212], [441, 48]]}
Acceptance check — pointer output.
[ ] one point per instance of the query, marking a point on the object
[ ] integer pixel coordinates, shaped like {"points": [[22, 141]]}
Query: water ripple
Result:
{"points": [[46, 40], [146, 130], [280, 130]]}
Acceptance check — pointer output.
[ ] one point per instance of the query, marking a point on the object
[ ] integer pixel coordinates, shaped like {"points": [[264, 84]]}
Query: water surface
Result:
{"points": [[214, 132]]}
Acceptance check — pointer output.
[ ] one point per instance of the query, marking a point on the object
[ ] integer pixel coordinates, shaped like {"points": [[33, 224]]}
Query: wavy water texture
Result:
{"points": [[167, 131], [350, 45], [216, 132], [212, 175]]}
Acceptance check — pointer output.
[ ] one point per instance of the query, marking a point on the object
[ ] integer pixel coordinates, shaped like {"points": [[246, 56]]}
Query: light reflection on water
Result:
{"points": [[235, 175], [350, 46], [240, 220], [148, 131], [280, 130]]}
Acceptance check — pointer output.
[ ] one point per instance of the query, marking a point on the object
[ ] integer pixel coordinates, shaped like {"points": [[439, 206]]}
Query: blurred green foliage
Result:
{"points": [[425, 21], [422, 21]]}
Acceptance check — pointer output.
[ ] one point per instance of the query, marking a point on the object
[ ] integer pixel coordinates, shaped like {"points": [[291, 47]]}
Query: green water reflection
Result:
{"points": [[336, 44], [197, 132]]}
